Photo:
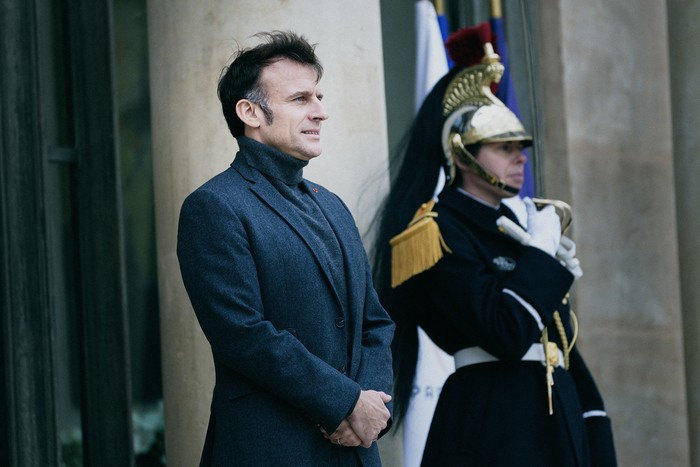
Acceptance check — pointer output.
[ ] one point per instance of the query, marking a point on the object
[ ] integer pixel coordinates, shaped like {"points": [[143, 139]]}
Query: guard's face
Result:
{"points": [[294, 98], [506, 160]]}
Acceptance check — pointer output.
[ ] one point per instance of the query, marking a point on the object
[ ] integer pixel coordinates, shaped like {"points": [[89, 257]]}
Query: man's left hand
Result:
{"points": [[344, 435]]}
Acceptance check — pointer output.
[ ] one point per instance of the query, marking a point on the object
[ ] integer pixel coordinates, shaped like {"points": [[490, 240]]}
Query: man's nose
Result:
{"points": [[318, 112]]}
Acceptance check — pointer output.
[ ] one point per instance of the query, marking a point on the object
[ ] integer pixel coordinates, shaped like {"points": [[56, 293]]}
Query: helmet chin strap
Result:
{"points": [[458, 149]]}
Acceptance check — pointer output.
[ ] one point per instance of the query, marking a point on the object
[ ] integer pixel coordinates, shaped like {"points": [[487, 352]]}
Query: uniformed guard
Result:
{"points": [[487, 287]]}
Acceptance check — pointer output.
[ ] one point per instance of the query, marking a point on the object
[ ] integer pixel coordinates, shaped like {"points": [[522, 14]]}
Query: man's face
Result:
{"points": [[295, 101]]}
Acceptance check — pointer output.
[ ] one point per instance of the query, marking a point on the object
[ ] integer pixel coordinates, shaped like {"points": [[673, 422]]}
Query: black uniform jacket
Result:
{"points": [[495, 293]]}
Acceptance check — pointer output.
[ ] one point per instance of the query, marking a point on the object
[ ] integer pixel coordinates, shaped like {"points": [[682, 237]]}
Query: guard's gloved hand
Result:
{"points": [[544, 227], [566, 254]]}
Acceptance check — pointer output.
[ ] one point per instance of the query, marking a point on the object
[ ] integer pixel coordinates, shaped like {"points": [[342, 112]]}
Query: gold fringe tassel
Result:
{"points": [[418, 248]]}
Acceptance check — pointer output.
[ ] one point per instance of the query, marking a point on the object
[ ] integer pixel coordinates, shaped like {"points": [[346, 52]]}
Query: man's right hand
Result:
{"points": [[370, 416]]}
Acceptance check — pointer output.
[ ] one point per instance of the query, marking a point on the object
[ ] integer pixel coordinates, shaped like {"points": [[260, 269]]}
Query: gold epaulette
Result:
{"points": [[417, 248]]}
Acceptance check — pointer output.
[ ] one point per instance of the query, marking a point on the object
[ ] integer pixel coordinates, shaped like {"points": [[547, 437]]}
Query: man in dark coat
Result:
{"points": [[278, 277]]}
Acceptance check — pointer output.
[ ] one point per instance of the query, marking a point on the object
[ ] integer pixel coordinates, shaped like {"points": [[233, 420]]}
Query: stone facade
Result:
{"points": [[619, 136]]}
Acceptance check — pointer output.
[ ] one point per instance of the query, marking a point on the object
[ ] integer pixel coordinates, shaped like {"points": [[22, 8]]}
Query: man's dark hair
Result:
{"points": [[241, 79]]}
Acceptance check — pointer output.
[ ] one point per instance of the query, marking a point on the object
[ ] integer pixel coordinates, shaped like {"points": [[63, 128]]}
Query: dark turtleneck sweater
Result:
{"points": [[286, 174]]}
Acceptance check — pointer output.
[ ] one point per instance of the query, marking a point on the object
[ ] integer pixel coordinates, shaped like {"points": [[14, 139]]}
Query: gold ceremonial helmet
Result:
{"points": [[475, 115]]}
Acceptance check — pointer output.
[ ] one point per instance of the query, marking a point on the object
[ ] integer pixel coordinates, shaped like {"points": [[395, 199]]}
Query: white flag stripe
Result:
{"points": [[431, 61], [432, 369]]}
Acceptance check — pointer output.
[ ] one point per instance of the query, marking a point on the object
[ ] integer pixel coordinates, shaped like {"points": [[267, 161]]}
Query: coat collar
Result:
{"points": [[271, 162], [473, 211]]}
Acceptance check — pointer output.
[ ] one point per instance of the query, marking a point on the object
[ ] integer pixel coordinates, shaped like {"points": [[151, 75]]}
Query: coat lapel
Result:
{"points": [[264, 190], [342, 225]]}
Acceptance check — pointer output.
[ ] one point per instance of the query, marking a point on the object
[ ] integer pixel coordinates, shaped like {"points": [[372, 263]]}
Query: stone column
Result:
{"points": [[608, 150], [190, 42], [683, 18]]}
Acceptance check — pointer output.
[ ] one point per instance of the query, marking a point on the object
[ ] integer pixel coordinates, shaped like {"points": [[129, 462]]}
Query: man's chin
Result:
{"points": [[311, 153]]}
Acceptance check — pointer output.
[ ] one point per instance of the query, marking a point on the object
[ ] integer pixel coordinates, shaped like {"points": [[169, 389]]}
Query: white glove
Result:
{"points": [[566, 251], [544, 227], [566, 254]]}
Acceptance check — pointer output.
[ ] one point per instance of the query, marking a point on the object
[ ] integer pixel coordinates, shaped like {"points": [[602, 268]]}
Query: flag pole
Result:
{"points": [[496, 11]]}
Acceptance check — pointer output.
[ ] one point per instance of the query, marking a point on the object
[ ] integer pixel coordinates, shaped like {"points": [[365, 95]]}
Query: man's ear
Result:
{"points": [[248, 112]]}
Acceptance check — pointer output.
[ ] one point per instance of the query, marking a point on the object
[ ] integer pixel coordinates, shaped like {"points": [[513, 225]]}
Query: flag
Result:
{"points": [[433, 365], [506, 91], [431, 59]]}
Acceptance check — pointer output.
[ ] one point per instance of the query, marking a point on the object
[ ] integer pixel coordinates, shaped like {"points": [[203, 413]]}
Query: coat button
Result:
{"points": [[339, 322]]}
